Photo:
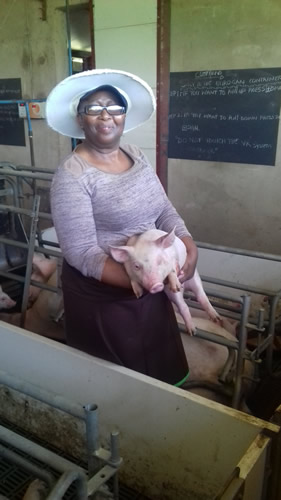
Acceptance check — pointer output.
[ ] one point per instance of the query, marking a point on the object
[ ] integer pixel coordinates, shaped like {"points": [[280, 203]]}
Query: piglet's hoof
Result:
{"points": [[190, 329]]}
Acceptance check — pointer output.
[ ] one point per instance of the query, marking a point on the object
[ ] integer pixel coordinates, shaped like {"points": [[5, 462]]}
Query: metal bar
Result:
{"points": [[54, 400], [14, 188], [217, 339], [32, 237], [68, 33], [91, 416], [115, 460], [226, 313], [21, 279], [239, 286], [25, 464], [65, 482], [35, 169], [241, 352], [23, 211], [49, 243], [163, 72], [91, 21], [18, 101], [271, 331], [22, 173], [36, 451], [239, 251], [20, 244], [264, 345], [6, 192], [221, 295], [30, 134], [48, 251], [231, 358]]}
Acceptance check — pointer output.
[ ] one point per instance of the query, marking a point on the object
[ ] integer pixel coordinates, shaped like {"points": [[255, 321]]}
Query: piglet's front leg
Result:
{"points": [[178, 300], [137, 289], [173, 281]]}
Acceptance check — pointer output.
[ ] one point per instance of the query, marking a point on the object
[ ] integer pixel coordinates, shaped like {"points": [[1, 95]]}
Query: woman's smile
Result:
{"points": [[103, 129]]}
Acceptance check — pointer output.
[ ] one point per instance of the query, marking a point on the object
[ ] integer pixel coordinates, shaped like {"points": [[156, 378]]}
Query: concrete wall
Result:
{"points": [[34, 50], [237, 205], [125, 39], [231, 204]]}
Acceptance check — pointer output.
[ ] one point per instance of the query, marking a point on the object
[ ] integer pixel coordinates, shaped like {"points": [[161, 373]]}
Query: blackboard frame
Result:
{"points": [[12, 131], [229, 116]]}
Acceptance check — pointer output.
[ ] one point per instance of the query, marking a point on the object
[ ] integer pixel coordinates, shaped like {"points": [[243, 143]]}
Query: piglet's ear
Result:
{"points": [[167, 240], [120, 254]]}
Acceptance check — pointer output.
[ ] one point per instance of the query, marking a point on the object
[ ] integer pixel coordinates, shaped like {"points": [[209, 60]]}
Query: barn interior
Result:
{"points": [[85, 427]]}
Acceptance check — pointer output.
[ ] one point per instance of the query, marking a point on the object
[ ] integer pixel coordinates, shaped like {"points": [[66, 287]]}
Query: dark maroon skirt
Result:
{"points": [[111, 323]]}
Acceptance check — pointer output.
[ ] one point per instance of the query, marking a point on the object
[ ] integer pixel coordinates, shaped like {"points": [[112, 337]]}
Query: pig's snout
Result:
{"points": [[158, 287]]}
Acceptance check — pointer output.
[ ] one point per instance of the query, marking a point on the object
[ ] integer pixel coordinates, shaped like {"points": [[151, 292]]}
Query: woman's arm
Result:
{"points": [[114, 273], [188, 269], [73, 218]]}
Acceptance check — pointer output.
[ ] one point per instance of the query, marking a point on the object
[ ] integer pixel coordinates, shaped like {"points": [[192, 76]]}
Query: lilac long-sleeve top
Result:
{"points": [[93, 209]]}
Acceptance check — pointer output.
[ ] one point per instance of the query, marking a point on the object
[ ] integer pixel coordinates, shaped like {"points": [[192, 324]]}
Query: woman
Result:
{"points": [[102, 194]]}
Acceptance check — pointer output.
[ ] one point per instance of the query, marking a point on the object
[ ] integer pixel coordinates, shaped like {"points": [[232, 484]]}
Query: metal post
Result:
{"points": [[271, 331], [115, 459], [32, 237], [241, 351], [30, 134], [91, 415], [163, 84]]}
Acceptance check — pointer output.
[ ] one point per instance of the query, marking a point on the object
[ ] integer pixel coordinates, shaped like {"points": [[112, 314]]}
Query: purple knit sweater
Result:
{"points": [[92, 209]]}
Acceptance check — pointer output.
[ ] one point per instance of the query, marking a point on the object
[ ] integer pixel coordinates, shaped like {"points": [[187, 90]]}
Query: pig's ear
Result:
{"points": [[120, 254], [167, 240]]}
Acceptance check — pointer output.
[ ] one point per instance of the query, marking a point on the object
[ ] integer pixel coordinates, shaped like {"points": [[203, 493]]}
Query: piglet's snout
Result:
{"points": [[158, 287]]}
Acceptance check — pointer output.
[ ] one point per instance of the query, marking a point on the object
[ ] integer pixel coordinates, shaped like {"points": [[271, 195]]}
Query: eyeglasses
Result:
{"points": [[112, 109]]}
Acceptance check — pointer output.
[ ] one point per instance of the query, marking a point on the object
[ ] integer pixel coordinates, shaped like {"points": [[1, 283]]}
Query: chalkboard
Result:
{"points": [[11, 126], [225, 116]]}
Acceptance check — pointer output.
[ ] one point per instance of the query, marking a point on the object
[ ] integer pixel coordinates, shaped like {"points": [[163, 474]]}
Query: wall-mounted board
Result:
{"points": [[225, 115]]}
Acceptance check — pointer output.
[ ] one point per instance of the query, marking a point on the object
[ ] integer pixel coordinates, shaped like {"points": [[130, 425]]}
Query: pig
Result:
{"points": [[206, 362], [42, 270], [153, 261], [44, 316], [5, 301]]}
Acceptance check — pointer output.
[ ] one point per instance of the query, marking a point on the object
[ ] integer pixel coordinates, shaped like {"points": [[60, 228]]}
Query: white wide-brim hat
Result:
{"points": [[62, 102]]}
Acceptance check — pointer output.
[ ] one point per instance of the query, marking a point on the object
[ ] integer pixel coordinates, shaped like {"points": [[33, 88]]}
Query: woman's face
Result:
{"points": [[103, 130]]}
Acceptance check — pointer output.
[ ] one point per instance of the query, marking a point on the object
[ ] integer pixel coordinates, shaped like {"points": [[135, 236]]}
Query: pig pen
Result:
{"points": [[231, 274], [245, 287], [245, 273], [174, 445]]}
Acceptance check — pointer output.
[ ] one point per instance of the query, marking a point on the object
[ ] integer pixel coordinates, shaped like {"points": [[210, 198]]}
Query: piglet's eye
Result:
{"points": [[137, 266]]}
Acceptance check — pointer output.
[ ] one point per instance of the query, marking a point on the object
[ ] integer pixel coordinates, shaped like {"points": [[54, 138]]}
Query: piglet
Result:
{"points": [[5, 301], [37, 490], [152, 261], [42, 270]]}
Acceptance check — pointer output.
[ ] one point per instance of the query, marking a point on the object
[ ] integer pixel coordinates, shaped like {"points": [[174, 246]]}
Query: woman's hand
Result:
{"points": [[115, 274], [188, 269]]}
